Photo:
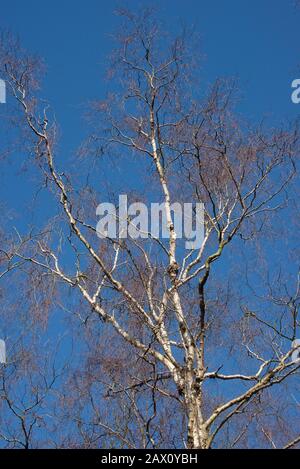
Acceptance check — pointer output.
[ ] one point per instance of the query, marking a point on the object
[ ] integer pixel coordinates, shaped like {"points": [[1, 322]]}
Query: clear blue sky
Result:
{"points": [[256, 40]]}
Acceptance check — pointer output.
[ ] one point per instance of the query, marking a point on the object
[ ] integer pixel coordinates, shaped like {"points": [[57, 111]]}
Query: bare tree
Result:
{"points": [[192, 348], [29, 378]]}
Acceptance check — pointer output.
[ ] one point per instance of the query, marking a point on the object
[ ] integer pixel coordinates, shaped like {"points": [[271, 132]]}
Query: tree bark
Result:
{"points": [[198, 437]]}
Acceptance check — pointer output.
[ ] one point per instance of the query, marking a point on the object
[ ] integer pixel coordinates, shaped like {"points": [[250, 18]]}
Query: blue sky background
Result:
{"points": [[253, 40]]}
